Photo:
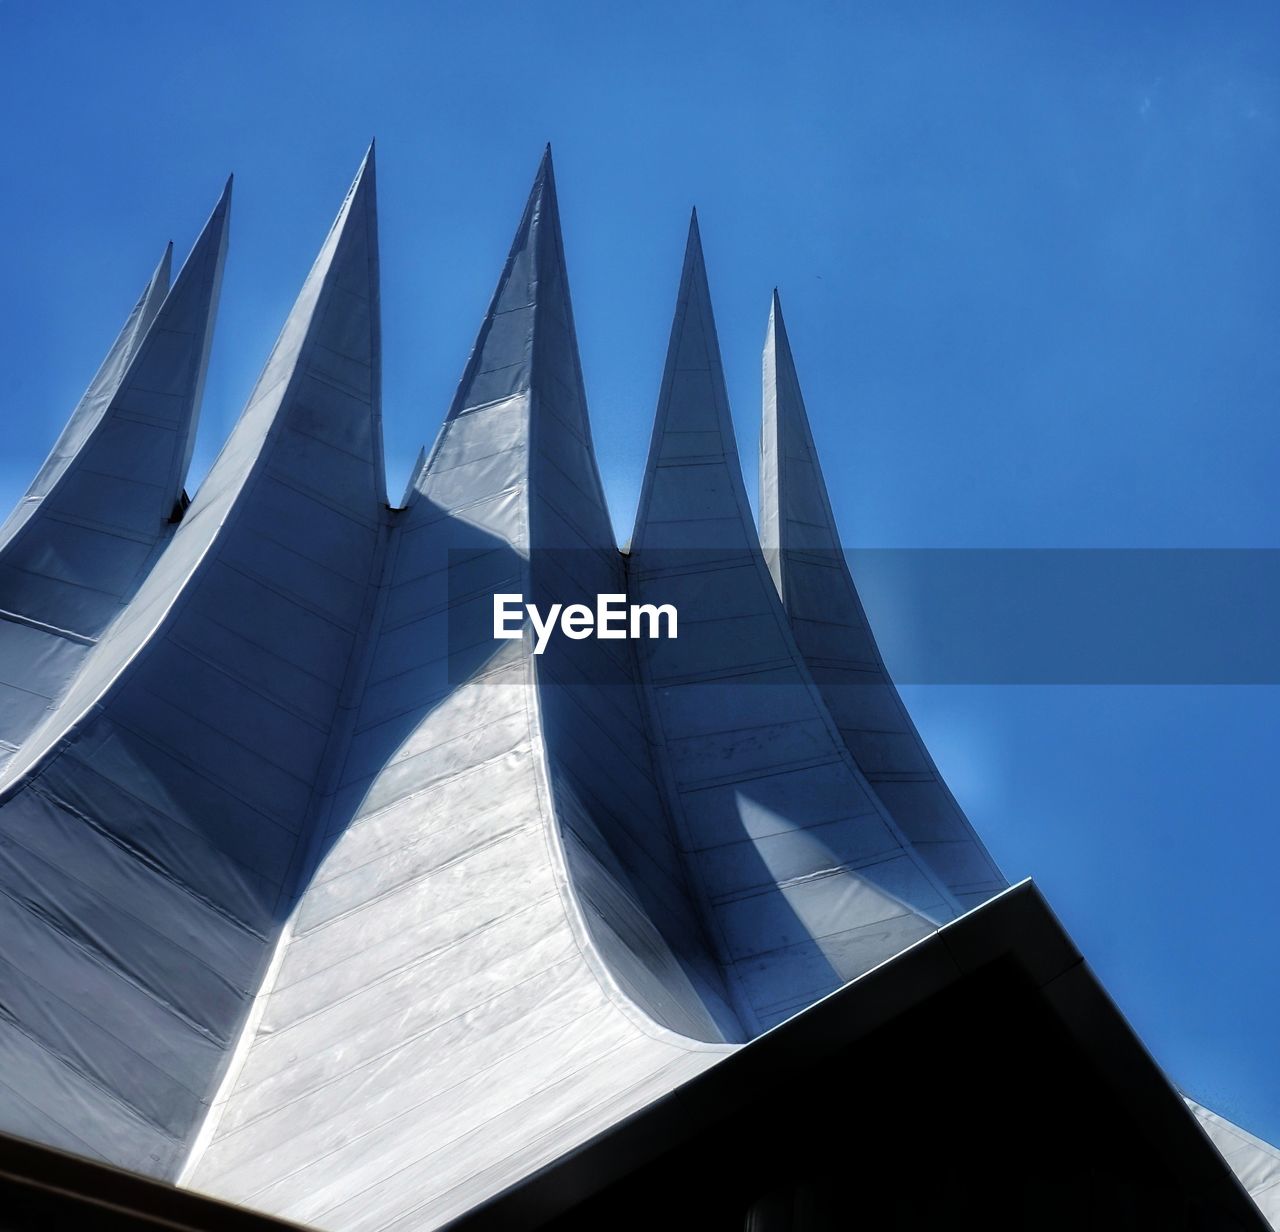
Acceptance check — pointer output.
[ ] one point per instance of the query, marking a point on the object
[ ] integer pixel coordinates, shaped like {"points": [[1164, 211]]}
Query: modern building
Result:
{"points": [[319, 899]]}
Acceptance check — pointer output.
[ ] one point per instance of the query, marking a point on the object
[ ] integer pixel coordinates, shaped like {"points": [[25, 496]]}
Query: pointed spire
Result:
{"points": [[521, 401], [332, 342], [766, 813], [500, 363], [693, 429], [243, 639], [787, 441], [107, 494], [97, 397], [320, 389], [786, 448], [174, 358], [809, 568], [152, 297]]}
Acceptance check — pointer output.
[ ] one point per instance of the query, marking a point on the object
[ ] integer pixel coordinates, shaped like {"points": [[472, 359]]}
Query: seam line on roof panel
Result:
{"points": [[453, 558], [125, 1044], [257, 532], [51, 577], [446, 740], [130, 480], [454, 512], [141, 856], [879, 858], [288, 595], [728, 563], [149, 421], [240, 635], [416, 793], [453, 600], [162, 817], [401, 1043], [17, 688], [757, 667], [785, 767], [403, 968], [806, 999], [435, 1094], [562, 1078], [336, 383], [110, 529], [83, 1149], [328, 444], [319, 496], [400, 887], [252, 686], [192, 647], [204, 771], [95, 957], [871, 811], [93, 892], [423, 836], [413, 962], [200, 772], [134, 1114], [432, 700], [472, 460], [542, 1138]]}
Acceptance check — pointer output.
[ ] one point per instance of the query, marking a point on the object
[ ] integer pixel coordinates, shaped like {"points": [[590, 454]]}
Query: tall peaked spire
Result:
{"points": [[693, 429], [811, 572], [524, 379], [501, 362]]}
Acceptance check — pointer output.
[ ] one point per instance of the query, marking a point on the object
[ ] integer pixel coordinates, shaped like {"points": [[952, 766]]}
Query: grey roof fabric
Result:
{"points": [[93, 522], [320, 899], [151, 823], [804, 880], [1255, 1163], [802, 546]]}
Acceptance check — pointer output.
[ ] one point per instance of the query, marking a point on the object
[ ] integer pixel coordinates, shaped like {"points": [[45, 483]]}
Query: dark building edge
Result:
{"points": [[1015, 942]]}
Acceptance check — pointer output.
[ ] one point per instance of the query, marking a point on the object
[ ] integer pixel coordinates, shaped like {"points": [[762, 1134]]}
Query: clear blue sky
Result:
{"points": [[1028, 255]]}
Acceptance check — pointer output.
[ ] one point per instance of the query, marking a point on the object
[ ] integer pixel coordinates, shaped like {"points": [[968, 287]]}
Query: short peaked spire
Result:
{"points": [[49, 609], [770, 807], [196, 733], [811, 572], [152, 297], [174, 358], [86, 533], [524, 379], [88, 412]]}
